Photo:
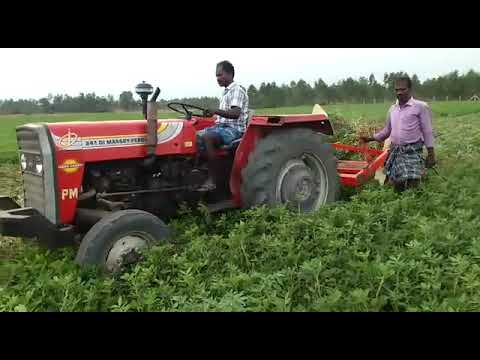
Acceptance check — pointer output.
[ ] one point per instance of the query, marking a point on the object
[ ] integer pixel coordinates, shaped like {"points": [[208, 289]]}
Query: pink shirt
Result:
{"points": [[408, 124]]}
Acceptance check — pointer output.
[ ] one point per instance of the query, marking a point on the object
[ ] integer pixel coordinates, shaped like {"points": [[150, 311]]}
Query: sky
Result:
{"points": [[179, 72]]}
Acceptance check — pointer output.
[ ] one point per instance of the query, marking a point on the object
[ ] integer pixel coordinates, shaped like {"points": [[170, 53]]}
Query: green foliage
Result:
{"points": [[127, 102], [454, 86], [373, 251], [59, 103]]}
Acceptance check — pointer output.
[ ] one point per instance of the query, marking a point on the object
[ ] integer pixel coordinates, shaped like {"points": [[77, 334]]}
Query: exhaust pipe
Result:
{"points": [[152, 116]]}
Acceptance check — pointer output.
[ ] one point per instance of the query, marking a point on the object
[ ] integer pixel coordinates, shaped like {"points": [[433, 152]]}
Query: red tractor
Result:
{"points": [[92, 183]]}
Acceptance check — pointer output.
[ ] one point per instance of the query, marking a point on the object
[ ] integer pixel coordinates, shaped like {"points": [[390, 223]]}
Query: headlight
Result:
{"points": [[38, 164], [23, 161], [31, 163]]}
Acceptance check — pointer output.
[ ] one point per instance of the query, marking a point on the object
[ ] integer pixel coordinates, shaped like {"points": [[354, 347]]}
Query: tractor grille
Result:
{"points": [[33, 143], [33, 184], [34, 194]]}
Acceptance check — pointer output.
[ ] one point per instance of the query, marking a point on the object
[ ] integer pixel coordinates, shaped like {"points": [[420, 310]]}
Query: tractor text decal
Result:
{"points": [[70, 194], [70, 166], [96, 143], [71, 141]]}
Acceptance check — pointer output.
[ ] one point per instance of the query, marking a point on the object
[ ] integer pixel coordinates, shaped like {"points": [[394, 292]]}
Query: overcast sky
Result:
{"points": [[34, 73]]}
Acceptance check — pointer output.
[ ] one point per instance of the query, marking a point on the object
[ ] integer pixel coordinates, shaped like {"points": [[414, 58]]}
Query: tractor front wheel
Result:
{"points": [[119, 238], [295, 167]]}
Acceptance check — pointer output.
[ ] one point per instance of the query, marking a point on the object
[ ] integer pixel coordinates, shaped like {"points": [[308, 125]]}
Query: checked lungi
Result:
{"points": [[405, 162]]}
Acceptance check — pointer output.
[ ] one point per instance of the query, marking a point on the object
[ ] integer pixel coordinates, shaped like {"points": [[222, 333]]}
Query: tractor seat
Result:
{"points": [[233, 145]]}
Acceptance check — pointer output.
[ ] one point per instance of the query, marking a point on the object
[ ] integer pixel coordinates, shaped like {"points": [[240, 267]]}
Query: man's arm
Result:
{"points": [[427, 132], [382, 134], [233, 113], [237, 99]]}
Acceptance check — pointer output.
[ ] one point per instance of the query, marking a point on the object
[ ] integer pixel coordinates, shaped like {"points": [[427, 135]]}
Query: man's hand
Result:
{"points": [[233, 113], [365, 140], [430, 161], [210, 112]]}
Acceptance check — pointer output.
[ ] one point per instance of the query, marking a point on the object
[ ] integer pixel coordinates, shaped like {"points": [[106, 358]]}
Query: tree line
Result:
{"points": [[90, 103], [453, 86]]}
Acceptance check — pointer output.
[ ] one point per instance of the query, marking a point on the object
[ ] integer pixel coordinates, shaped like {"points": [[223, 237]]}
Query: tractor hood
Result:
{"points": [[110, 134], [93, 141]]}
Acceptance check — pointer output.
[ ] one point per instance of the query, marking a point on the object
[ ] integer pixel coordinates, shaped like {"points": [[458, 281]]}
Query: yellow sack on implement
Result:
{"points": [[379, 175]]}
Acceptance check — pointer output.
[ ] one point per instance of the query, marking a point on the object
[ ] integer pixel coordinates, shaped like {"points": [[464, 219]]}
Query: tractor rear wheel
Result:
{"points": [[291, 166], [118, 239]]}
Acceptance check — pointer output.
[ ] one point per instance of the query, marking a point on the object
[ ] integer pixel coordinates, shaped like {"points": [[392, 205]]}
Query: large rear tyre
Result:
{"points": [[118, 239], [295, 167]]}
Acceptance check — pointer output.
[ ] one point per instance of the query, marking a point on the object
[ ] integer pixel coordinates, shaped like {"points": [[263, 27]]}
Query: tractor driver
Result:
{"points": [[230, 123]]}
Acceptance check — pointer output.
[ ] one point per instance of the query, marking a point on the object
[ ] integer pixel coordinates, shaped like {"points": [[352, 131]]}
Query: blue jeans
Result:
{"points": [[226, 134]]}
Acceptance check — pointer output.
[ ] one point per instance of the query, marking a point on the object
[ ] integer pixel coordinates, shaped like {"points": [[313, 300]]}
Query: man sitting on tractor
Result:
{"points": [[230, 123]]}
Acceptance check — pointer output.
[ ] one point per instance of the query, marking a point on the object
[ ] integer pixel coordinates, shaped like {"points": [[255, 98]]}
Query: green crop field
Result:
{"points": [[374, 250]]}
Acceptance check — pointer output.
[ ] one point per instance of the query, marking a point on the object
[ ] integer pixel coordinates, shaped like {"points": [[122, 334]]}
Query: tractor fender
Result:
{"points": [[261, 126], [317, 122]]}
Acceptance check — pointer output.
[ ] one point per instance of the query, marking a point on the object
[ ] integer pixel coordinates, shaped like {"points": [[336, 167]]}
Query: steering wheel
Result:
{"points": [[188, 114]]}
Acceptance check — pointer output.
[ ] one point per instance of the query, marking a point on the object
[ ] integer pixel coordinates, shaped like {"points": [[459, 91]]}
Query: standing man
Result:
{"points": [[409, 126], [230, 123]]}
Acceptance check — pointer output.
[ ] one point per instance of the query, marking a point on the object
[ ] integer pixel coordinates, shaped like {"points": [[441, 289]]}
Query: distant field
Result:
{"points": [[353, 112], [377, 112], [349, 111]]}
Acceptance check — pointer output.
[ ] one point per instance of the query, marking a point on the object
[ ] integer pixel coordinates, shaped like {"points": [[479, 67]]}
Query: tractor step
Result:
{"points": [[222, 205]]}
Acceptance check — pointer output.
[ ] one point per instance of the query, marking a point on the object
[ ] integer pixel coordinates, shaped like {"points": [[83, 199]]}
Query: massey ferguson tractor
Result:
{"points": [[110, 185]]}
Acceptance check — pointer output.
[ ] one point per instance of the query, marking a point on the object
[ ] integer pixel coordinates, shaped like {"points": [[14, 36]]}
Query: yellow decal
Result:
{"points": [[188, 144], [162, 128], [70, 166], [70, 194]]}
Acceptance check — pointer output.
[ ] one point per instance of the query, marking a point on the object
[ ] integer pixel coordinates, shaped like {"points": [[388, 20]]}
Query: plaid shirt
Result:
{"points": [[234, 95]]}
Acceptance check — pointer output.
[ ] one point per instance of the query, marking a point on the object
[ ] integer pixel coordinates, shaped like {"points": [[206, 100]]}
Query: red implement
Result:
{"points": [[356, 172]]}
